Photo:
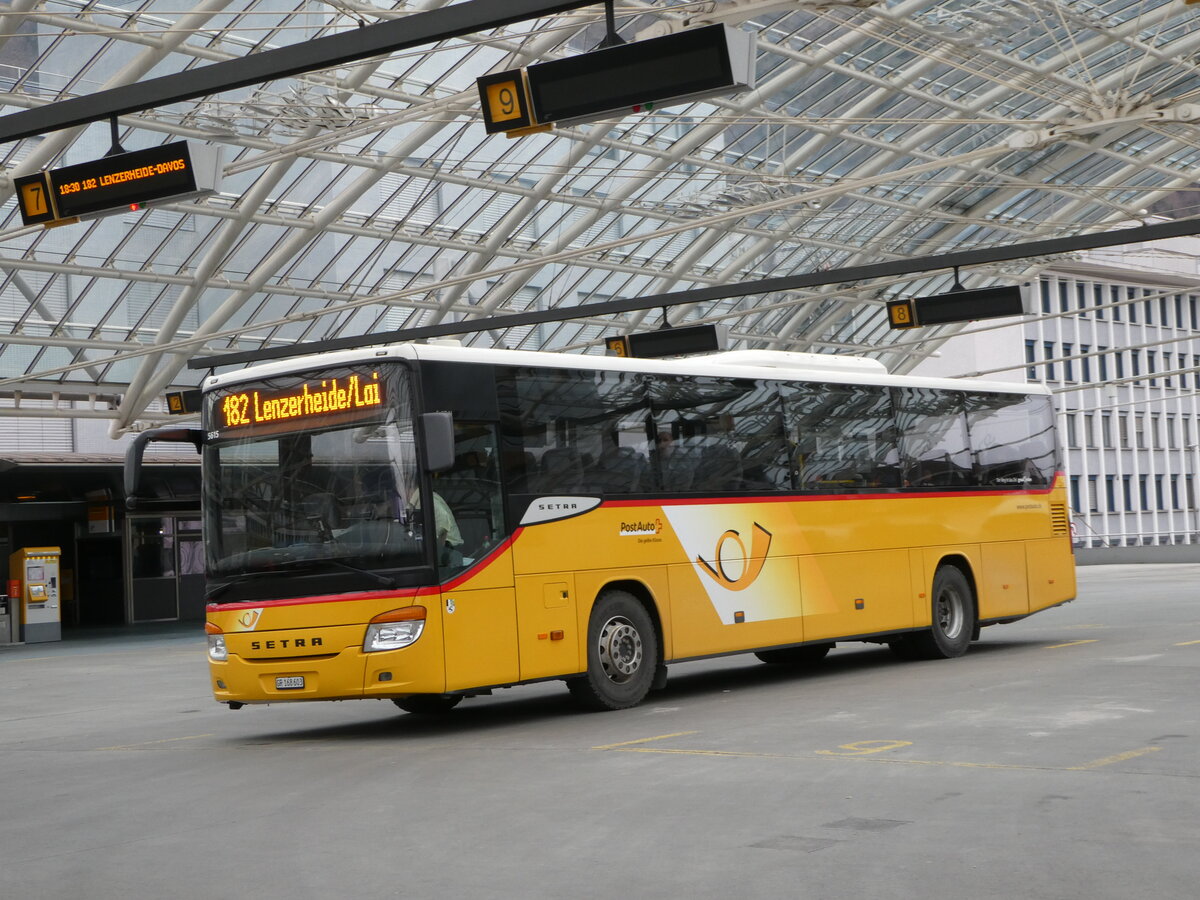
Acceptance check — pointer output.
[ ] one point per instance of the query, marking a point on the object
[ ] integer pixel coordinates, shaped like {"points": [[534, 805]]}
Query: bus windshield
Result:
{"points": [[328, 493]]}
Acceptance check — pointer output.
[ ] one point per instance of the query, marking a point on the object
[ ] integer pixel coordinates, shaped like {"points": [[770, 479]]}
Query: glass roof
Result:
{"points": [[369, 198]]}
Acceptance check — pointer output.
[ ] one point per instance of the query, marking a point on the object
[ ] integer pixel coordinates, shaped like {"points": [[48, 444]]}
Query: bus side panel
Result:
{"points": [[480, 637], [1000, 584], [548, 634], [761, 611], [856, 593], [1051, 572]]}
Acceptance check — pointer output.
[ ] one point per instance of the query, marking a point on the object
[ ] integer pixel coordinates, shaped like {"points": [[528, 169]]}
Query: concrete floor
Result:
{"points": [[1058, 759]]}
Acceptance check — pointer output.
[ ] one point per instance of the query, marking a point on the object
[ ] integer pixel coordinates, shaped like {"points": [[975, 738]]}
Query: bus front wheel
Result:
{"points": [[622, 654], [954, 620]]}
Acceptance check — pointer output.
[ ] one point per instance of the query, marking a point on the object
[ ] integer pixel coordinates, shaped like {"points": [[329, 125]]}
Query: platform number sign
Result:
{"points": [[505, 101], [900, 314], [33, 198]]}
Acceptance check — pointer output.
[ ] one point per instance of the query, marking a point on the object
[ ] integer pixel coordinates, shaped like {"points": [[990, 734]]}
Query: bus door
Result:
{"points": [[479, 616]]}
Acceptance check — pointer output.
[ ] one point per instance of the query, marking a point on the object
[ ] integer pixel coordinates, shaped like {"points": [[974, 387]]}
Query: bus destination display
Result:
{"points": [[344, 398], [174, 171]]}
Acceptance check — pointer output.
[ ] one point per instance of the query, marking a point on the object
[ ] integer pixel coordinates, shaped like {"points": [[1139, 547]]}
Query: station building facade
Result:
{"points": [[1116, 337]]}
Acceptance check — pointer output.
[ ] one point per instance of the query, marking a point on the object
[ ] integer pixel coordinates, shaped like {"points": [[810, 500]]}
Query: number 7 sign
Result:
{"points": [[33, 198]]}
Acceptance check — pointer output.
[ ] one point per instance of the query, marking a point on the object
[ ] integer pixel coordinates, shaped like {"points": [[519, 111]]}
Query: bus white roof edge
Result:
{"points": [[788, 359]]}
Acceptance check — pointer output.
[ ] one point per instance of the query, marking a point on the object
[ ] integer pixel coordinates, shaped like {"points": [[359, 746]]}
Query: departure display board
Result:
{"points": [[172, 171], [347, 397]]}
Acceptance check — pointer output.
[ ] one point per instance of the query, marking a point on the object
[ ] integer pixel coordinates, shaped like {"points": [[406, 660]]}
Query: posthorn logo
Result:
{"points": [[752, 565]]}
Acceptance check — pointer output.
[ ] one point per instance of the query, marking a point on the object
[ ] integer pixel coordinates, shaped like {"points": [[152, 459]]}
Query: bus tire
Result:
{"points": [[954, 619], [808, 655], [622, 654], [429, 704]]}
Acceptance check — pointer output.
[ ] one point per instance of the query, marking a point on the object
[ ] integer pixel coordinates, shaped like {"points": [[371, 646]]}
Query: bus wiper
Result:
{"points": [[300, 565], [385, 580]]}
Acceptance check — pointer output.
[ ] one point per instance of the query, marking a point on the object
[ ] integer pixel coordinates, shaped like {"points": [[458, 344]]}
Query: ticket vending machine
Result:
{"points": [[33, 588]]}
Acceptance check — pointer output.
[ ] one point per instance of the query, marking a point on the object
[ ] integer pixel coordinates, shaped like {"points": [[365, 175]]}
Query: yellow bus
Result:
{"points": [[427, 523]]}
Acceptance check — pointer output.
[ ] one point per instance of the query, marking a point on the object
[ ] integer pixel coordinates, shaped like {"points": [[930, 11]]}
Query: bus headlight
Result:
{"points": [[216, 643], [394, 629]]}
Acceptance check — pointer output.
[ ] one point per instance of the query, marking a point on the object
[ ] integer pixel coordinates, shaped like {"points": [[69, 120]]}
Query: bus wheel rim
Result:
{"points": [[949, 612], [620, 648]]}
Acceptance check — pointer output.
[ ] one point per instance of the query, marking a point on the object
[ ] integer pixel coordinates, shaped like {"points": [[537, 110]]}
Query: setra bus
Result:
{"points": [[425, 523]]}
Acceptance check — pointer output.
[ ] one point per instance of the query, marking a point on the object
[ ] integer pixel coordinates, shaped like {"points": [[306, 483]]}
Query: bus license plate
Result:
{"points": [[289, 682]]}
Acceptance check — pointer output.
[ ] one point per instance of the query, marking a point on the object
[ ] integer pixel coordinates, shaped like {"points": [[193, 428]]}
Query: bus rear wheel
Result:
{"points": [[429, 704], [808, 655], [622, 654], [954, 620]]}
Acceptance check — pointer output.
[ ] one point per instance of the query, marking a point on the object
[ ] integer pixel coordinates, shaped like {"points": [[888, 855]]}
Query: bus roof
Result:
{"points": [[767, 364]]}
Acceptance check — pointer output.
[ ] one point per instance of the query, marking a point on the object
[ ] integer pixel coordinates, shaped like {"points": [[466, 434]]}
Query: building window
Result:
{"points": [[1106, 431], [1143, 493], [1139, 431], [1098, 299], [1131, 295], [1135, 361], [1045, 285], [1190, 490], [1075, 493], [1192, 313], [1068, 363], [1031, 357], [1123, 425], [1175, 492], [1187, 431], [1064, 297], [1081, 297], [1172, 443], [1089, 434], [1119, 357], [1152, 366], [1102, 358], [1086, 362], [1115, 295], [1093, 494], [1155, 441], [1158, 492], [1072, 436], [1110, 492], [1164, 310], [1127, 491], [1048, 351]]}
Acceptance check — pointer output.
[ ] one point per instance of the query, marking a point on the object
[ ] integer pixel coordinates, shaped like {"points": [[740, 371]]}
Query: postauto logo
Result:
{"points": [[752, 565], [629, 529]]}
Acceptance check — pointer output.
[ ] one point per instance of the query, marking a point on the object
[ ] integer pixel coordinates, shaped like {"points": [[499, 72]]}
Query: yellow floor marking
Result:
{"points": [[739, 754], [1070, 644], [1187, 643], [660, 737], [1120, 757], [191, 737]]}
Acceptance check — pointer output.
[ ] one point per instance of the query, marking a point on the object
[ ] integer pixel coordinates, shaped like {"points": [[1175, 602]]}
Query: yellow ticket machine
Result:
{"points": [[34, 584]]}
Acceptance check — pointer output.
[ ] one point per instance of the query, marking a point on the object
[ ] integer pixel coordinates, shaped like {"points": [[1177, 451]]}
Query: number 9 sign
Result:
{"points": [[502, 96]]}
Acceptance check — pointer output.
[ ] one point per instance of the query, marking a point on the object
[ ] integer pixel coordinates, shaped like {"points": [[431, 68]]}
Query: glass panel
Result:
{"points": [[718, 434], [571, 432], [346, 493], [1012, 439], [845, 436], [153, 548], [934, 449], [468, 507]]}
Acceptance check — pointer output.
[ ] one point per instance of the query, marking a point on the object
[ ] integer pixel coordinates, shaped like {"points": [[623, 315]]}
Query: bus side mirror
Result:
{"points": [[136, 450], [437, 440]]}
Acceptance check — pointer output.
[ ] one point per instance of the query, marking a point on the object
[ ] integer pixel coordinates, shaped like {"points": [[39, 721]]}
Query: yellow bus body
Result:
{"points": [[719, 576]]}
